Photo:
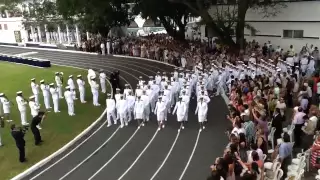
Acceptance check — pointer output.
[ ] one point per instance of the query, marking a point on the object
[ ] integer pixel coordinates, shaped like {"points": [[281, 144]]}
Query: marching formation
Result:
{"points": [[161, 95], [55, 91]]}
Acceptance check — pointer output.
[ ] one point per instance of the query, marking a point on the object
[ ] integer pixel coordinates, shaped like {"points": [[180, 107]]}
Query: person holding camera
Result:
{"points": [[18, 135], [35, 130]]}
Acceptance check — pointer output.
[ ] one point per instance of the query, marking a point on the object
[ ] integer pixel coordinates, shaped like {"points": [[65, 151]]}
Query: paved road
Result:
{"points": [[131, 153]]}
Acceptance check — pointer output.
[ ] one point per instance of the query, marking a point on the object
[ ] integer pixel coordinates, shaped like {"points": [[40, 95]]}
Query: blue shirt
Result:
{"points": [[304, 104], [285, 150]]}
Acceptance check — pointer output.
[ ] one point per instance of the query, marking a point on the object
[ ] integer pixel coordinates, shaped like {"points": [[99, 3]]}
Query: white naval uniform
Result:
{"points": [[122, 109], [35, 91], [95, 92], [160, 110], [91, 74], [82, 90], [5, 105], [146, 112], [72, 87], [102, 77], [59, 85], [22, 106], [55, 99], [139, 109], [130, 100], [186, 100], [46, 95], [117, 98], [69, 96], [111, 111], [34, 108], [181, 110], [202, 109]]}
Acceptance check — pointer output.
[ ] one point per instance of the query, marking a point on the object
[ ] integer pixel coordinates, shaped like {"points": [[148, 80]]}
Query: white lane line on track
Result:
{"points": [[88, 157], [115, 155], [166, 158], [74, 149], [137, 159], [191, 156]]}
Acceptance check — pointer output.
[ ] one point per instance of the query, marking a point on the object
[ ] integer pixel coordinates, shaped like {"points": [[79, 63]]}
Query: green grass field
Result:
{"points": [[57, 129]]}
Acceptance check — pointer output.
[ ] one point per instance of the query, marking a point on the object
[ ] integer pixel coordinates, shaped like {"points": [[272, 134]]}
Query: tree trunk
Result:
{"points": [[242, 10], [177, 35]]}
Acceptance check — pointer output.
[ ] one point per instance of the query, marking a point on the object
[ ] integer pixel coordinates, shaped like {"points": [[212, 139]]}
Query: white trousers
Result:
{"points": [[60, 91], [56, 104], [95, 98], [46, 101], [123, 118], [74, 94], [23, 116], [82, 94], [103, 86], [220, 90], [70, 108], [111, 115], [36, 98]]}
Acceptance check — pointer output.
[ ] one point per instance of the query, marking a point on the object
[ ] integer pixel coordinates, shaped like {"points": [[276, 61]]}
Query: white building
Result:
{"points": [[297, 24]]}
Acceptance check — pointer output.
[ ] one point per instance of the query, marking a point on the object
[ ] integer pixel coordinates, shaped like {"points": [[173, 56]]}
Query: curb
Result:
{"points": [[146, 59], [48, 49], [65, 147]]}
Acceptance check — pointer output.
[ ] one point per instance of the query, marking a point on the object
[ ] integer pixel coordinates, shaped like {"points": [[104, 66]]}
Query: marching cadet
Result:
{"points": [[158, 78], [34, 108], [176, 73], [150, 94], [181, 111], [141, 81], [159, 111], [22, 106], [167, 98], [103, 77], [126, 90], [138, 91], [139, 111], [202, 110], [220, 84], [82, 90], [150, 82], [6, 104], [117, 97], [122, 109], [55, 97], [163, 83], [91, 74], [95, 91], [45, 93], [59, 83], [68, 95], [146, 102], [186, 100], [111, 110], [35, 89], [130, 100], [72, 87]]}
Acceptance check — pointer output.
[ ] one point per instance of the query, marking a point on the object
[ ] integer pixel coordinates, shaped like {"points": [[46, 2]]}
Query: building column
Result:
{"points": [[32, 34], [59, 35], [47, 34], [68, 34], [39, 34], [78, 36], [88, 35]]}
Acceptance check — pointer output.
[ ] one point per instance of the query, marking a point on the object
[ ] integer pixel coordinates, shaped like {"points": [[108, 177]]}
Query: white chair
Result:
{"points": [[271, 168], [264, 157], [296, 172], [279, 174], [271, 136], [269, 126]]}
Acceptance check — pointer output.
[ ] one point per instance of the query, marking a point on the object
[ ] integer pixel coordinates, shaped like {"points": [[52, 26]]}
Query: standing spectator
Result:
{"points": [[18, 135]]}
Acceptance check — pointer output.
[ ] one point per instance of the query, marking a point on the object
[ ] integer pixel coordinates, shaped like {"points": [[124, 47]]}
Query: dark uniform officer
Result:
{"points": [[18, 135], [35, 131]]}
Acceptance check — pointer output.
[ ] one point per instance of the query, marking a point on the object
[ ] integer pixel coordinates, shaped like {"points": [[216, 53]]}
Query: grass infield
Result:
{"points": [[57, 129]]}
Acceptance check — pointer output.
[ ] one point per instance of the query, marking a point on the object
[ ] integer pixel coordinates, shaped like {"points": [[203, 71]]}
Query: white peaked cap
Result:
{"points": [[42, 81], [19, 92], [31, 97], [52, 84], [79, 75], [33, 79], [68, 87], [70, 76], [92, 78], [1, 94]]}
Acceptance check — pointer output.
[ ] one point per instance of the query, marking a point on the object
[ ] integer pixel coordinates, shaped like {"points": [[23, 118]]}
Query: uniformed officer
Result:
{"points": [[82, 90], [95, 91], [34, 108], [202, 110], [122, 109], [18, 135], [159, 111], [130, 101], [126, 90], [91, 74], [139, 111], [59, 83], [55, 97], [46, 96], [117, 98], [186, 100], [111, 110], [146, 102], [68, 95], [22, 106], [103, 77], [72, 87], [34, 124], [181, 109], [6, 105], [35, 89]]}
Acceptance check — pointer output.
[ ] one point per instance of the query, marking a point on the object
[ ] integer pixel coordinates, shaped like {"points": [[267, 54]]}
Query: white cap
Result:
{"points": [[19, 92], [1, 94], [79, 76], [61, 73], [31, 97], [92, 78], [33, 79], [68, 87], [52, 84], [70, 76], [279, 70], [117, 89], [42, 81]]}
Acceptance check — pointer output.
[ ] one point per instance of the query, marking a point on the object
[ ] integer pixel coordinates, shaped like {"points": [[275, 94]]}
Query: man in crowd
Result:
{"points": [[18, 135]]}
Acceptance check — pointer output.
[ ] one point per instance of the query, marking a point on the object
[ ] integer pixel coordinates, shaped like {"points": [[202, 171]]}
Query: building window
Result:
{"points": [[5, 27], [293, 33]]}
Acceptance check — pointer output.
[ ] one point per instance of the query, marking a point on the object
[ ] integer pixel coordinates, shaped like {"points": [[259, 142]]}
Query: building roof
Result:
{"points": [[150, 23]]}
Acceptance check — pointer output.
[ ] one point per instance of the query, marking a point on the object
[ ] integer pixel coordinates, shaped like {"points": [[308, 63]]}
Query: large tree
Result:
{"points": [[96, 16], [171, 15], [223, 19]]}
